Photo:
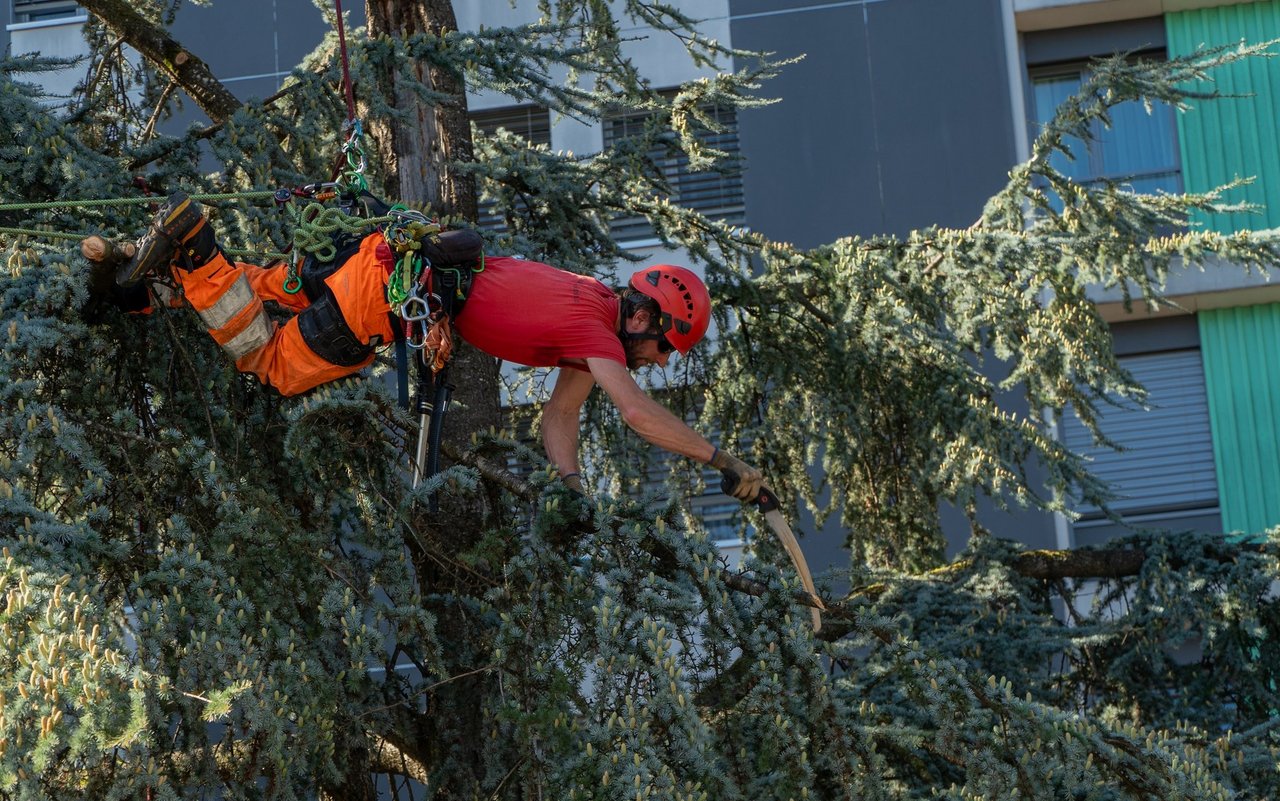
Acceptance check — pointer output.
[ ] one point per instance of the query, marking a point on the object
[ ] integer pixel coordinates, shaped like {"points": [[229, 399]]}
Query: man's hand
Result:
{"points": [[748, 480], [574, 482], [579, 515]]}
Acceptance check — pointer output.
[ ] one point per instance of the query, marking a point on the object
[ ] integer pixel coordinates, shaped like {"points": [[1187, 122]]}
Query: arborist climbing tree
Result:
{"points": [[366, 292], [517, 310]]}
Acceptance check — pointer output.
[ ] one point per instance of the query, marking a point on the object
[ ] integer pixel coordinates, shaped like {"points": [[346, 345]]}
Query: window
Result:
{"points": [[533, 123], [40, 10], [1140, 150], [718, 195], [1165, 476]]}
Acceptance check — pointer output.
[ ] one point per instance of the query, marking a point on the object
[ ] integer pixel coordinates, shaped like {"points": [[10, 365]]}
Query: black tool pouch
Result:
{"points": [[454, 257], [326, 332], [453, 248]]}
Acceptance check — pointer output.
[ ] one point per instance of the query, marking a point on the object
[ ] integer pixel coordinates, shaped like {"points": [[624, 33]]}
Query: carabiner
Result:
{"points": [[422, 338], [414, 308], [401, 213]]}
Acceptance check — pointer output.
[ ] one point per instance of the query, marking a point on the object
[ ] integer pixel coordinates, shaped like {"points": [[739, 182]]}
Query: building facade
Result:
{"points": [[909, 113], [1205, 455]]}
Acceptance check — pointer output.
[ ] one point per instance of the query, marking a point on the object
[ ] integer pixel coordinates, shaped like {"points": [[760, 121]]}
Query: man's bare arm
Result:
{"points": [[560, 419], [648, 418]]}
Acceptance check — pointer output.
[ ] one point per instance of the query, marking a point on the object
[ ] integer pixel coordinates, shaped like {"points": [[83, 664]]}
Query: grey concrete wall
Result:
{"points": [[898, 117], [251, 45]]}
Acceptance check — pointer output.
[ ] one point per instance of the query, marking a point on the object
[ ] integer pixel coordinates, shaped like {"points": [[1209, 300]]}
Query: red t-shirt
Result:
{"points": [[533, 314]]}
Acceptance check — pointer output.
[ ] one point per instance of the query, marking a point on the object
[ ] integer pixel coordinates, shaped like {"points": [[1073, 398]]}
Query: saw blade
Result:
{"points": [[783, 531]]}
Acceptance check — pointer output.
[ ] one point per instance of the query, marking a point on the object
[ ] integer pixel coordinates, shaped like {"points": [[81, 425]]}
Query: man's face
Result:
{"points": [[644, 352]]}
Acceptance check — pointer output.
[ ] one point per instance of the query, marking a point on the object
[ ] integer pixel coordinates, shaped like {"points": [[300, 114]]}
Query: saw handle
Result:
{"points": [[766, 500]]}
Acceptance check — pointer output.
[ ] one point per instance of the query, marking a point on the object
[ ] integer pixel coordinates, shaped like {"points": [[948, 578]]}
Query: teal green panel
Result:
{"points": [[1241, 348], [1233, 137]]}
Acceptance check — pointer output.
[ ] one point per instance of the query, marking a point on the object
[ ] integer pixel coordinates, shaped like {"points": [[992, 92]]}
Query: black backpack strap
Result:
{"points": [[314, 271], [402, 360]]}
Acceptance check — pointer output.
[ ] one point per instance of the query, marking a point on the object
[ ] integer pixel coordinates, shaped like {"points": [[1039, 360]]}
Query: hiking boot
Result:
{"points": [[179, 231]]}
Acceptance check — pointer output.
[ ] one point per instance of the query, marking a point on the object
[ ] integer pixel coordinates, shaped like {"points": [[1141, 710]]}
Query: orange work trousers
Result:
{"points": [[228, 297]]}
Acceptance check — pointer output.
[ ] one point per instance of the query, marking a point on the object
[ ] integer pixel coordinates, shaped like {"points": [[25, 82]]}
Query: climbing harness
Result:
{"points": [[427, 290]]}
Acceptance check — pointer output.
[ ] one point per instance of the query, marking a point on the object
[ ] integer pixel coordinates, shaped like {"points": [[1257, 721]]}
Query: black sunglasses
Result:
{"points": [[664, 345]]}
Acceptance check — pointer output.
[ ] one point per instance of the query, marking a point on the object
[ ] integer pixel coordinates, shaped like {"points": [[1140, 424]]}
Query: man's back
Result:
{"points": [[533, 314]]}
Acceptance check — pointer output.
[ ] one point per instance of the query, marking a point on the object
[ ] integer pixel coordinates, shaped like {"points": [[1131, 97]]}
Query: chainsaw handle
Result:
{"points": [[765, 500]]}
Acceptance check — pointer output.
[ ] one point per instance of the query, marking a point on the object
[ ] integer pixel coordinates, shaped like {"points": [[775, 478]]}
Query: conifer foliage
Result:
{"points": [[211, 591]]}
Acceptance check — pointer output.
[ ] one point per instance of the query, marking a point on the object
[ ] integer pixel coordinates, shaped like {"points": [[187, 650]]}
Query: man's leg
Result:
{"points": [[222, 293], [226, 296]]}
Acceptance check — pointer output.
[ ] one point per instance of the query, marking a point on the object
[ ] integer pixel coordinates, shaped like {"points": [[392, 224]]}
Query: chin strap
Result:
{"points": [[627, 336]]}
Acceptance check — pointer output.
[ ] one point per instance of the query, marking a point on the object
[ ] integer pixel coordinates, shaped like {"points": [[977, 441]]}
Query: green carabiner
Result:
{"points": [[293, 284]]}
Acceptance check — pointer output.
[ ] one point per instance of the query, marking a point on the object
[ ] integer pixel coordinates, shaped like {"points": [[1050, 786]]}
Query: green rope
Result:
{"points": [[39, 233], [256, 256], [316, 224], [239, 253], [130, 201], [400, 283], [313, 232]]}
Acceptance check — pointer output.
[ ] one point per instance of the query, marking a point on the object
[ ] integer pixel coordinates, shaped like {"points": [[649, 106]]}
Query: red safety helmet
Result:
{"points": [[683, 299]]}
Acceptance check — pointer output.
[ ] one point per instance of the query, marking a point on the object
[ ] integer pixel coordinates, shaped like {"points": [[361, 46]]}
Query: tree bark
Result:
{"points": [[421, 151], [168, 55]]}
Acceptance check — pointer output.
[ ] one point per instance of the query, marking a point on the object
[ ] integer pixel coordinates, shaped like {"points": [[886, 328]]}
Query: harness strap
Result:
{"points": [[402, 361], [327, 333]]}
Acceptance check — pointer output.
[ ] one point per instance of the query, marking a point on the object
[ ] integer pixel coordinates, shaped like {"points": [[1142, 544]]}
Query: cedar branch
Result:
{"points": [[168, 54]]}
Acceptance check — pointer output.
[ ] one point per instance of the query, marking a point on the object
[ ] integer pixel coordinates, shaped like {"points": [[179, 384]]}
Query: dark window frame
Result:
{"points": [[721, 196], [43, 10]]}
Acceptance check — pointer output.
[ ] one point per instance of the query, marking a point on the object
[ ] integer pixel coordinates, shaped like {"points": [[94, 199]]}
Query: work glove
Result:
{"points": [[580, 514], [574, 482], [104, 258], [743, 481]]}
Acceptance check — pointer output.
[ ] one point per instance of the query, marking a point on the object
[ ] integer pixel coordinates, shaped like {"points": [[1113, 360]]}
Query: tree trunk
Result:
{"points": [[419, 152], [168, 55]]}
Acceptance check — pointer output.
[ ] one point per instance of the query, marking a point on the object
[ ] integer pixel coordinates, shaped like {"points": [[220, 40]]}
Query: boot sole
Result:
{"points": [[156, 248]]}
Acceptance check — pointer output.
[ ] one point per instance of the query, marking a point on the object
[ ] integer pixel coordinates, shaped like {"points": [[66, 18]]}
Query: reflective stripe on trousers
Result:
{"points": [[222, 296], [228, 297]]}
